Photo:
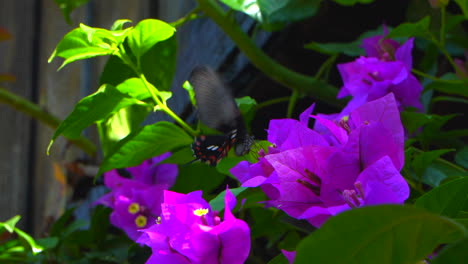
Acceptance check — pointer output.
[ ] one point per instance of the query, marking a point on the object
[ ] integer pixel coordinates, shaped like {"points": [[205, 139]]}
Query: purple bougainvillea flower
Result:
{"points": [[289, 255], [369, 78], [136, 202], [359, 165], [188, 231]]}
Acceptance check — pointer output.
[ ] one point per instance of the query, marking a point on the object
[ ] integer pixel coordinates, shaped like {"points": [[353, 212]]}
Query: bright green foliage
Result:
{"points": [[380, 234], [146, 34], [144, 143]]}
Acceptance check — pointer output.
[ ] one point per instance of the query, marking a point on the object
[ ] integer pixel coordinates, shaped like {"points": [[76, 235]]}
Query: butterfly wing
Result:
{"points": [[216, 106]]}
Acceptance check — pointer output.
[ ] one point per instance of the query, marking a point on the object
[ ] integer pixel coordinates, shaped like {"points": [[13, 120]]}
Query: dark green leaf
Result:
{"points": [[380, 234], [146, 34], [273, 14], [461, 158], [142, 144], [217, 204], [447, 199], [91, 109], [353, 2], [198, 176], [418, 29], [463, 4], [280, 259], [48, 242], [414, 120], [455, 88], [350, 49], [423, 159], [454, 253]]}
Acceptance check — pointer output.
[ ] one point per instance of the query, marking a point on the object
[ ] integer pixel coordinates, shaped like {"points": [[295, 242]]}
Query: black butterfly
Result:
{"points": [[217, 110]]}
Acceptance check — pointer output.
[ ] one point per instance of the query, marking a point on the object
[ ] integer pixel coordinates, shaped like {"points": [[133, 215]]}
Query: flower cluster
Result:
{"points": [[188, 231], [136, 202], [180, 228], [350, 159]]}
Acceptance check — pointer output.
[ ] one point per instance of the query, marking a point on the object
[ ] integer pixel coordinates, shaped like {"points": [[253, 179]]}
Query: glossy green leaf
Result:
{"points": [[447, 199], [461, 158], [134, 87], [93, 108], [353, 2], [84, 42], [158, 66], [453, 254], [380, 234], [217, 204], [121, 124], [418, 29], [145, 143], [146, 34]]}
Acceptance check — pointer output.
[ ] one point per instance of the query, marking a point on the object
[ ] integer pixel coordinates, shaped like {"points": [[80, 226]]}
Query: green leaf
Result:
{"points": [[10, 224], [418, 29], [447, 199], [247, 106], [273, 14], [353, 2], [134, 87], [379, 234], [84, 42], [189, 88], [217, 204], [158, 66], [198, 176], [48, 242], [454, 253], [142, 144], [454, 88], [414, 120], [35, 248], [120, 124], [461, 158], [423, 159], [118, 24], [350, 49], [146, 34], [279, 259], [93, 108], [67, 6], [463, 4]]}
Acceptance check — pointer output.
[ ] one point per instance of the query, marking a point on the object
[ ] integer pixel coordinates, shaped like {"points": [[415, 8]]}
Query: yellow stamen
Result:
{"points": [[134, 208], [200, 212], [141, 221]]}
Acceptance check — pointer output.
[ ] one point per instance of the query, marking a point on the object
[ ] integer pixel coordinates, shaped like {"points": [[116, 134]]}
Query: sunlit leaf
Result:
{"points": [[146, 34]]}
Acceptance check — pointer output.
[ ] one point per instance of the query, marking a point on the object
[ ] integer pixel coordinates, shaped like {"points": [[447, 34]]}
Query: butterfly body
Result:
{"points": [[217, 110]]}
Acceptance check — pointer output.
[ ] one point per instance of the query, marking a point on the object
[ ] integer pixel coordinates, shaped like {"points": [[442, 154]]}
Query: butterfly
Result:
{"points": [[217, 110]]}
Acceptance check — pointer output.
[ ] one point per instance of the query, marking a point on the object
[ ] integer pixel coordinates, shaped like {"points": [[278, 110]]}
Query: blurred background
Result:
{"points": [[38, 186]]}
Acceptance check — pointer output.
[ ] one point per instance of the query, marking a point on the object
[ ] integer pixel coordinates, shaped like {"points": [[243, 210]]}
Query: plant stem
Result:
{"points": [[33, 110], [154, 92], [272, 101], [292, 103], [293, 80], [442, 26], [189, 17]]}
